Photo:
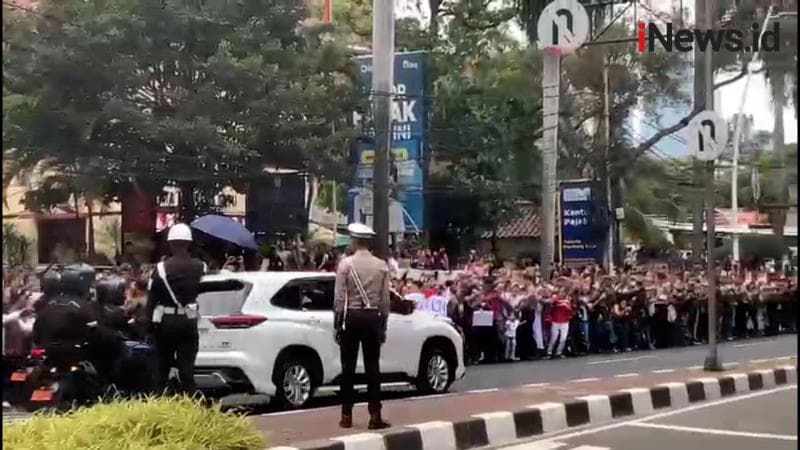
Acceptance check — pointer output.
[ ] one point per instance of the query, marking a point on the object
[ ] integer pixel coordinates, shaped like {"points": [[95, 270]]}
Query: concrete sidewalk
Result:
{"points": [[318, 428]]}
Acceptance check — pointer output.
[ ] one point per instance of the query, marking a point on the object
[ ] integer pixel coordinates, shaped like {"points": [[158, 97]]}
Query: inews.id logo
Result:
{"points": [[684, 39]]}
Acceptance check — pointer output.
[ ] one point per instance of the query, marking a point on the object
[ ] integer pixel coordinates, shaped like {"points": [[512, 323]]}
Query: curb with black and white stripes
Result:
{"points": [[506, 427]]}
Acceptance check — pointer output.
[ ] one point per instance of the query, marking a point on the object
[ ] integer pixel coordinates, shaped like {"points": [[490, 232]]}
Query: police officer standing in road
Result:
{"points": [[361, 311], [172, 307]]}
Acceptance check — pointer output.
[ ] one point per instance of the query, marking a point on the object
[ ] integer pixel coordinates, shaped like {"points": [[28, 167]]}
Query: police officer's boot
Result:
{"points": [[346, 420], [376, 422]]}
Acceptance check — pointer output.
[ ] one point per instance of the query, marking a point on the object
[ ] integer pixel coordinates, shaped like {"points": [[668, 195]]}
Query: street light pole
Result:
{"points": [[712, 362], [382, 84]]}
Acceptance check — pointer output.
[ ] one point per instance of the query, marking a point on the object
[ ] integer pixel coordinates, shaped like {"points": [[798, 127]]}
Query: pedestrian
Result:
{"points": [[559, 330], [511, 337], [172, 307], [361, 312]]}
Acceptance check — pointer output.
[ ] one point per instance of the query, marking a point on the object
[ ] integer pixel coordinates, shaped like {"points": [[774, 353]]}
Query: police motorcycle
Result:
{"points": [[79, 353]]}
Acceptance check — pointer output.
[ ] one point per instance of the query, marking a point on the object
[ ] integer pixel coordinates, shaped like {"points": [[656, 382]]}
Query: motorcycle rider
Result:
{"points": [[132, 369], [109, 306], [64, 320]]}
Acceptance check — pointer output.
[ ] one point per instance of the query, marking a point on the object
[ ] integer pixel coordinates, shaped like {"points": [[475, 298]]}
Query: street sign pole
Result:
{"points": [[562, 28], [551, 85]]}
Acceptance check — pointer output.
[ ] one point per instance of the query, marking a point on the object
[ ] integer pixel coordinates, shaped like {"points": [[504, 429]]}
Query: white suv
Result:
{"points": [[271, 333]]}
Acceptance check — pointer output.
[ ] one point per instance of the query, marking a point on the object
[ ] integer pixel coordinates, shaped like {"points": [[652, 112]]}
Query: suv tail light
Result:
{"points": [[242, 321], [37, 353]]}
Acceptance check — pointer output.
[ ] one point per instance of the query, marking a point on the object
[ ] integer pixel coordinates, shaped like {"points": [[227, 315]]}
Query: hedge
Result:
{"points": [[158, 423]]}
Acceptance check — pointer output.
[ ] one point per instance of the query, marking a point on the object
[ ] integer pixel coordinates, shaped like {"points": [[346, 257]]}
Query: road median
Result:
{"points": [[474, 420]]}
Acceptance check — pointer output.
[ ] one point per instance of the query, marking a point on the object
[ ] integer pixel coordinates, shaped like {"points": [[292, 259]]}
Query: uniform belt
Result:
{"points": [[174, 310], [363, 307]]}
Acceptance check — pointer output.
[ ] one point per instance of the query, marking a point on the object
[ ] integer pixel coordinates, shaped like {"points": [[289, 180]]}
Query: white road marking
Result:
{"points": [[695, 368], [551, 446], [730, 365], [591, 429], [756, 361], [781, 437], [753, 344], [783, 358], [426, 397], [626, 375], [664, 371], [611, 361], [583, 380], [535, 385], [481, 391], [537, 446]]}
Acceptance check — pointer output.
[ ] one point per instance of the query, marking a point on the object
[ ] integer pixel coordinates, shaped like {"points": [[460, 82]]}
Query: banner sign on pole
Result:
{"points": [[409, 119], [582, 223]]}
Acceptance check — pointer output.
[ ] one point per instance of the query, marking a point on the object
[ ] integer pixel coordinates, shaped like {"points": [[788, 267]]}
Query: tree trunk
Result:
{"points": [[187, 206], [90, 248], [781, 189]]}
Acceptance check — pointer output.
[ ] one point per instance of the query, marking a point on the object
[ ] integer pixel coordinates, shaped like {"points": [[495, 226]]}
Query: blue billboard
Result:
{"points": [[409, 119], [582, 222]]}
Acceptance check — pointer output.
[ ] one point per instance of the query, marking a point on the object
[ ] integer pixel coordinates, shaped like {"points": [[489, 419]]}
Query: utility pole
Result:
{"points": [[697, 167], [607, 144], [551, 86], [382, 86], [712, 362]]}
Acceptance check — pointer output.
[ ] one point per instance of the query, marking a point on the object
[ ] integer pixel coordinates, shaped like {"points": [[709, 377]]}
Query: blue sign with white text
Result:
{"points": [[582, 224], [409, 118]]}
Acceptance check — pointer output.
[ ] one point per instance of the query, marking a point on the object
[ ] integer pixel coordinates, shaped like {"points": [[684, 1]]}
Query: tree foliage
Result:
{"points": [[199, 94]]}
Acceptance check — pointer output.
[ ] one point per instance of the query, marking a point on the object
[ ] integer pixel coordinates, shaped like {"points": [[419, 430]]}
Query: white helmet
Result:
{"points": [[360, 231], [179, 232]]}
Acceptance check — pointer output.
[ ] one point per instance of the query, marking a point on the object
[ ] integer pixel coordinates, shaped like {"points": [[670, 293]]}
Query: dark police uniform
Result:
{"points": [[361, 307], [63, 323], [174, 327]]}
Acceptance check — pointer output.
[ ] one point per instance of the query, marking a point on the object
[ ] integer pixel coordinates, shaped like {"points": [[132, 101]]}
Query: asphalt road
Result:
{"points": [[524, 372], [505, 375], [765, 420]]}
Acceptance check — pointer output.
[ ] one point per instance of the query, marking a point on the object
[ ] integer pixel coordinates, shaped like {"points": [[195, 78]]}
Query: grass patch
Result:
{"points": [[157, 423]]}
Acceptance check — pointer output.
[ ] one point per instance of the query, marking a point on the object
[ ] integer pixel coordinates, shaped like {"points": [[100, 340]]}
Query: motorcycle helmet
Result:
{"points": [[111, 292], [51, 284], [77, 279]]}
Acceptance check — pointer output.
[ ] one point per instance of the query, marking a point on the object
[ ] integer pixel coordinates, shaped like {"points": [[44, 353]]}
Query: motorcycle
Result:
{"points": [[62, 377]]}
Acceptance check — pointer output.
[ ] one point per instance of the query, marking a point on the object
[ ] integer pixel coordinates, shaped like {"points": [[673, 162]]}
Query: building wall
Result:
{"points": [[508, 249], [26, 222]]}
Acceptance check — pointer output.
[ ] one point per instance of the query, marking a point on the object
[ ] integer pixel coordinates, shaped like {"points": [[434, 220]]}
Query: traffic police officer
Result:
{"points": [[172, 307], [361, 311]]}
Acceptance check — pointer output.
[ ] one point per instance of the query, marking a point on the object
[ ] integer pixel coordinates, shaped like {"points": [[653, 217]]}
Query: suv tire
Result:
{"points": [[435, 373], [294, 382]]}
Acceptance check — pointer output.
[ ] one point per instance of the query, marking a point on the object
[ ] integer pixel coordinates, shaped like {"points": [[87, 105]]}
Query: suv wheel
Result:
{"points": [[294, 382], [434, 376]]}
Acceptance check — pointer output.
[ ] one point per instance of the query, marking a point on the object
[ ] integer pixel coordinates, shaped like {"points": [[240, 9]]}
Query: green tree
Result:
{"points": [[174, 92]]}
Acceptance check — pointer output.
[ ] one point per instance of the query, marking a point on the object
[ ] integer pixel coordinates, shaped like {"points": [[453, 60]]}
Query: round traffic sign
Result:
{"points": [[708, 135], [564, 25]]}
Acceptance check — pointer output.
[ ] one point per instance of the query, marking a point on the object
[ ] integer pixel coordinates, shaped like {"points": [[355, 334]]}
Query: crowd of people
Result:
{"points": [[510, 314]]}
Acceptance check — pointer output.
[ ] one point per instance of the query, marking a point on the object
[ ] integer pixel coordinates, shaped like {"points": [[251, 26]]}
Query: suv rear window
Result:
{"points": [[222, 298]]}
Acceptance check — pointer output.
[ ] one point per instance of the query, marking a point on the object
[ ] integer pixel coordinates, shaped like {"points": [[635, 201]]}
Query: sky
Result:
{"points": [[757, 102]]}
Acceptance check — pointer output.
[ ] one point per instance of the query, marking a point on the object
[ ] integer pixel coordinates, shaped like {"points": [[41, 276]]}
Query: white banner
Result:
{"points": [[482, 319], [435, 305]]}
